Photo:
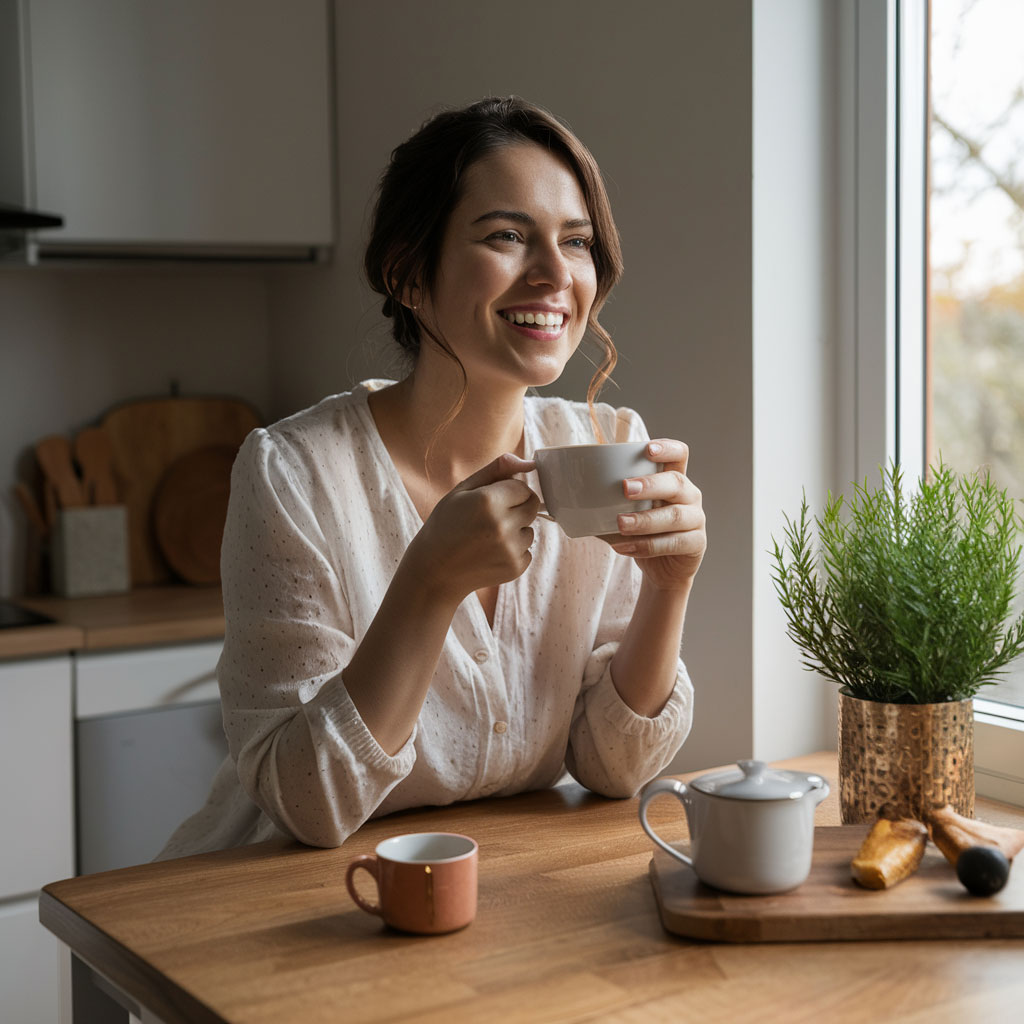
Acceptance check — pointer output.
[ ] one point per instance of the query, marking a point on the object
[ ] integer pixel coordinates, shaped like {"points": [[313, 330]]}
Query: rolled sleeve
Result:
{"points": [[343, 723], [613, 750]]}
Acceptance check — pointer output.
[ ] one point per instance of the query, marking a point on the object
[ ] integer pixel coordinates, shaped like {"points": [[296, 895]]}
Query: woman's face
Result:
{"points": [[516, 249]]}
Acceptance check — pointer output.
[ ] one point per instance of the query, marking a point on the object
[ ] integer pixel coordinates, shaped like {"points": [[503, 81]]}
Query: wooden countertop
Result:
{"points": [[138, 618], [567, 929]]}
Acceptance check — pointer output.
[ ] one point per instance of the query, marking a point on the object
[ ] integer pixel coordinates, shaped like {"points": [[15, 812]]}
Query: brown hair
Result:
{"points": [[422, 185]]}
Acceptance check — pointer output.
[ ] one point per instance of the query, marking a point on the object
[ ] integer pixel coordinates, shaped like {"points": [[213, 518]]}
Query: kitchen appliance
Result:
{"points": [[148, 741]]}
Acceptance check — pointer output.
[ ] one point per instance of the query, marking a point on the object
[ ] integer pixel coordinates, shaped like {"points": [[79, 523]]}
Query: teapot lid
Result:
{"points": [[756, 781]]}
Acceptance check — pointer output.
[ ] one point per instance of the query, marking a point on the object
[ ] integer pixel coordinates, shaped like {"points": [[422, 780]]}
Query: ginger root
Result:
{"points": [[952, 833], [891, 852]]}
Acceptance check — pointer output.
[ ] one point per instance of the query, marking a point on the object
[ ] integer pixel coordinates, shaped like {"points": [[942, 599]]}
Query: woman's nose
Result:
{"points": [[548, 266]]}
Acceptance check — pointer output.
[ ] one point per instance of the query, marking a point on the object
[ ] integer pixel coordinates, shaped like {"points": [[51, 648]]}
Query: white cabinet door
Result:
{"points": [[186, 123], [35, 774], [30, 966]]}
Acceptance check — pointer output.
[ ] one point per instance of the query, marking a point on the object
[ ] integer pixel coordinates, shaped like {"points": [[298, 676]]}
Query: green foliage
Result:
{"points": [[906, 598]]}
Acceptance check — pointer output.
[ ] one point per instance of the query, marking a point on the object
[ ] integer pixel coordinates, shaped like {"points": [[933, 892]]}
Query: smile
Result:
{"points": [[543, 321]]}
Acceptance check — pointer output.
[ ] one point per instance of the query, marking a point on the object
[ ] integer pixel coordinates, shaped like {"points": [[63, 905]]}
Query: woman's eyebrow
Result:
{"points": [[519, 217], [514, 215]]}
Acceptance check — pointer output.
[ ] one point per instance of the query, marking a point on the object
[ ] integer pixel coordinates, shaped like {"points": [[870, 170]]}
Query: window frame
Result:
{"points": [[888, 304]]}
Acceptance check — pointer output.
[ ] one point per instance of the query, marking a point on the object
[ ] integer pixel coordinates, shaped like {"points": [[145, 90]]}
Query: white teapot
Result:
{"points": [[751, 831]]}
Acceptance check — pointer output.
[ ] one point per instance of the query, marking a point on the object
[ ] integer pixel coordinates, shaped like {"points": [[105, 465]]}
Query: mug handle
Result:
{"points": [[678, 790], [542, 511], [368, 862]]}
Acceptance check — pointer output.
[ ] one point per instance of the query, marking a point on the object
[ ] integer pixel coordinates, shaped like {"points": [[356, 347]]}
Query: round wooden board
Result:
{"points": [[189, 510]]}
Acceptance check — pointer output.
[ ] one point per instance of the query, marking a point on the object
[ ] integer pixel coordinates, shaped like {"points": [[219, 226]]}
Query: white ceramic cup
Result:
{"points": [[581, 484]]}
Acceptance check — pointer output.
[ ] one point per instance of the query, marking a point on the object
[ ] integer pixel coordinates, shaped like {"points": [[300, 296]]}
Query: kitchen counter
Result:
{"points": [[142, 617], [567, 929]]}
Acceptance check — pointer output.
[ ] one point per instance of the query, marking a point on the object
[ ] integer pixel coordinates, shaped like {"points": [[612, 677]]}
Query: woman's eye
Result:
{"points": [[505, 236], [580, 243]]}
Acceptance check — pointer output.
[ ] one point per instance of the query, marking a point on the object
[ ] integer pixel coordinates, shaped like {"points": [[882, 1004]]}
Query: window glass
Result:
{"points": [[975, 405]]}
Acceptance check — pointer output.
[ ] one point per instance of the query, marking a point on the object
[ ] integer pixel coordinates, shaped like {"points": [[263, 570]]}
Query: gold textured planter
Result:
{"points": [[899, 760]]}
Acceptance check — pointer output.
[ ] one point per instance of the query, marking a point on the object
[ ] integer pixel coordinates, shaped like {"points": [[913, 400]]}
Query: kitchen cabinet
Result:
{"points": [[36, 816], [198, 128]]}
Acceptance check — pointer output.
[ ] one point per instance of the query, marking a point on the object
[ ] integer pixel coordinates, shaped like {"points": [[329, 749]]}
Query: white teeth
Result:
{"points": [[536, 319]]}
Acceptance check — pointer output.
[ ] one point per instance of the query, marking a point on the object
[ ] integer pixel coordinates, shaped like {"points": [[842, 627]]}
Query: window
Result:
{"points": [[936, 297], [975, 393]]}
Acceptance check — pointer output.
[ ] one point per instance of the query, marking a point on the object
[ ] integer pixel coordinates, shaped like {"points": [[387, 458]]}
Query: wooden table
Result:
{"points": [[567, 930]]}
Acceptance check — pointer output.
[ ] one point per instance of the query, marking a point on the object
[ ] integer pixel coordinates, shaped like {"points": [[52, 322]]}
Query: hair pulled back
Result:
{"points": [[423, 183]]}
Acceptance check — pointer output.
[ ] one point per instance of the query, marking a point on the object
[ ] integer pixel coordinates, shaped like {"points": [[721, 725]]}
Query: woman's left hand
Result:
{"points": [[668, 541]]}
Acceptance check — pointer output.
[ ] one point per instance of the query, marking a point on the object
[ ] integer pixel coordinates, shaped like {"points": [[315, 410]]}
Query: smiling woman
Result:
{"points": [[401, 627], [408, 235]]}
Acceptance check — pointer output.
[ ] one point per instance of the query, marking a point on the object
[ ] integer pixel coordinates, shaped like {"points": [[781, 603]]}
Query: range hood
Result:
{"points": [[15, 225], [168, 134], [12, 218]]}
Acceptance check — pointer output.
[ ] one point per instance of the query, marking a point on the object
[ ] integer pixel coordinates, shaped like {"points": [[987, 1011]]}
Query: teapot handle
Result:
{"points": [[678, 790]]}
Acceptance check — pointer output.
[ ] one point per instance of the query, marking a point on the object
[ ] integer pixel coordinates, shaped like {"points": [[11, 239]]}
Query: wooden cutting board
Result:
{"points": [[146, 437], [830, 907], [189, 509]]}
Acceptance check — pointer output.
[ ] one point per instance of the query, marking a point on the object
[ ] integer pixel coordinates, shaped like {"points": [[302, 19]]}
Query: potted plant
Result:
{"points": [[903, 601]]}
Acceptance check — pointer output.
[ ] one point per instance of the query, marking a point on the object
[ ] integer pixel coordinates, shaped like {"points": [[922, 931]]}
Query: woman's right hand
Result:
{"points": [[479, 533]]}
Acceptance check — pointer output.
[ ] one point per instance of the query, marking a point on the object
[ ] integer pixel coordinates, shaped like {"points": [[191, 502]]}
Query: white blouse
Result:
{"points": [[317, 523]]}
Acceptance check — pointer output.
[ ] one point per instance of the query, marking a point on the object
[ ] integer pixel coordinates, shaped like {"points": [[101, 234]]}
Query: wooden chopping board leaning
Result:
{"points": [[173, 533]]}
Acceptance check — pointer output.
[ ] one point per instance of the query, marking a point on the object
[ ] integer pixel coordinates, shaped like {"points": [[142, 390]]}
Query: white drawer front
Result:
{"points": [[123, 681]]}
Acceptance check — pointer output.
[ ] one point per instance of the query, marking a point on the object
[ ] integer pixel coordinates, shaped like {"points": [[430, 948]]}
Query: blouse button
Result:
{"points": [[500, 727], [480, 657]]}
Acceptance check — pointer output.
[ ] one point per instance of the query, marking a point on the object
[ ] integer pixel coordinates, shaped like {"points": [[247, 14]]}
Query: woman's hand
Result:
{"points": [[479, 533], [669, 540]]}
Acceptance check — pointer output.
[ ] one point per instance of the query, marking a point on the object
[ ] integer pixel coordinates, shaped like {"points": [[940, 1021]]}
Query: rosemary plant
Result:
{"points": [[907, 597]]}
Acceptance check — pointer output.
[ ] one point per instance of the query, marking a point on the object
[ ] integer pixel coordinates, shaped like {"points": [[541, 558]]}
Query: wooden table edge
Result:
{"points": [[125, 970]]}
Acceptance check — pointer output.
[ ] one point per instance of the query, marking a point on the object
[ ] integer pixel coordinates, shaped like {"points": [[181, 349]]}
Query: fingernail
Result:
{"points": [[625, 549], [654, 448], [632, 487], [627, 522]]}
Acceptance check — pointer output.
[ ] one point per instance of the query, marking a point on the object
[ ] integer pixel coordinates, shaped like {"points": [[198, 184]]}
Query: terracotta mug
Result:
{"points": [[426, 881]]}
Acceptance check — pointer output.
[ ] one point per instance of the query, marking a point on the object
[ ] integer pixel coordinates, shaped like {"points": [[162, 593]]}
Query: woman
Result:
{"points": [[401, 629]]}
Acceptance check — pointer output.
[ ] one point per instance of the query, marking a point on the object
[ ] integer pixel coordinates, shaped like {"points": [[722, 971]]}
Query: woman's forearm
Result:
{"points": [[390, 673], [645, 665]]}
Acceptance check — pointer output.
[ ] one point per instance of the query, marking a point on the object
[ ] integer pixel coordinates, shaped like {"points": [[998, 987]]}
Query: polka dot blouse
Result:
{"points": [[317, 523]]}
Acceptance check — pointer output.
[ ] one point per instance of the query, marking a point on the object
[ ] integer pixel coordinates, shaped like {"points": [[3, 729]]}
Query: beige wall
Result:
{"points": [[795, 258]]}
